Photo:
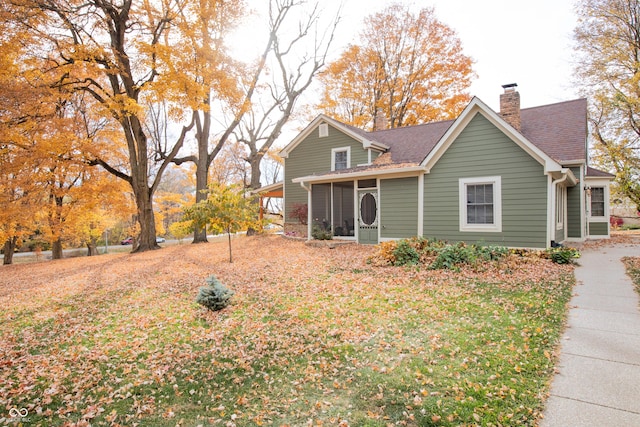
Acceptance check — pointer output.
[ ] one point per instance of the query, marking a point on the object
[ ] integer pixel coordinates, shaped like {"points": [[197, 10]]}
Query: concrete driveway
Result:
{"points": [[598, 378]]}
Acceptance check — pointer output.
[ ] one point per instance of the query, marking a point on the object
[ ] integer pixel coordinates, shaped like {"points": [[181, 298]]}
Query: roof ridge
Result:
{"points": [[411, 126], [554, 103]]}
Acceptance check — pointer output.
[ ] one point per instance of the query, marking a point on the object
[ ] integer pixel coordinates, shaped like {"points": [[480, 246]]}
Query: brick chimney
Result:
{"points": [[380, 121], [510, 105]]}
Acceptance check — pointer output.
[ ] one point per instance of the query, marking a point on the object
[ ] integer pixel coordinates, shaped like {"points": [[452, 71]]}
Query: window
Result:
{"points": [[559, 207], [367, 183], [597, 201], [340, 158], [480, 204]]}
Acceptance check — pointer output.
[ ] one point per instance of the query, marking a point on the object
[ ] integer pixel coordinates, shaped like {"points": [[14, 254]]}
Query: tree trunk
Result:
{"points": [[92, 247], [255, 161], [230, 255], [146, 219], [9, 248], [202, 175], [56, 249]]}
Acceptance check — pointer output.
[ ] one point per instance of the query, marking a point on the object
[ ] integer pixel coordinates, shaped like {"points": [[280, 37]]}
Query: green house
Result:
{"points": [[518, 178]]}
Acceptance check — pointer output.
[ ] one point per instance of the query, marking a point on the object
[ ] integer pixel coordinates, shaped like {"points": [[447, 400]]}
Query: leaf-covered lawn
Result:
{"points": [[314, 336]]}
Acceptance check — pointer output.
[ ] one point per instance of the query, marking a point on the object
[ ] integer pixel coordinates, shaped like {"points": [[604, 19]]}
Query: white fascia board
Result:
{"points": [[336, 124], [266, 188], [348, 176], [606, 180], [573, 163], [375, 145], [477, 106]]}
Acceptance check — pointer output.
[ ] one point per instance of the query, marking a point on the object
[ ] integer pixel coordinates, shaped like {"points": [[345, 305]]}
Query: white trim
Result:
{"points": [[605, 187], [420, 205], [340, 150], [372, 173], [550, 210], [583, 204], [561, 203], [379, 207], [496, 181]]}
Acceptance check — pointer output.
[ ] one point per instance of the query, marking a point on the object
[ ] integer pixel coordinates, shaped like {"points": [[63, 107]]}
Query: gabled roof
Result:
{"points": [[353, 132], [476, 106], [560, 130], [597, 173], [554, 134], [411, 143]]}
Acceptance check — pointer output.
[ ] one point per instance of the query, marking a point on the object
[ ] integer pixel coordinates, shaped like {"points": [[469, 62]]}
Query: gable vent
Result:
{"points": [[323, 130]]}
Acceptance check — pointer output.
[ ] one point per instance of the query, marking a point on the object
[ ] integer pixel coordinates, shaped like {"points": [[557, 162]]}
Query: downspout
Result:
{"points": [[309, 216], [554, 197]]}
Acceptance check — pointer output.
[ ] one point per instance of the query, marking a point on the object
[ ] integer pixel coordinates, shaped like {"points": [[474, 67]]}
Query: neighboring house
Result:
{"points": [[518, 178]]}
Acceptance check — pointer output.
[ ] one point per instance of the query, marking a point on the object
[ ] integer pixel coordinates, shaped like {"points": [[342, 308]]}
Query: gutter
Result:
{"points": [[348, 176]]}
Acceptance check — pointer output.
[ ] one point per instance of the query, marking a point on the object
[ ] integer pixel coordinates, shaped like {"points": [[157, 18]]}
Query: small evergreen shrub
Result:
{"points": [[563, 255], [405, 254], [215, 296], [320, 233]]}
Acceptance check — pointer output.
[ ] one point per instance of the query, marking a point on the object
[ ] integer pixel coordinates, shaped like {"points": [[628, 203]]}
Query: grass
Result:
{"points": [[314, 336]]}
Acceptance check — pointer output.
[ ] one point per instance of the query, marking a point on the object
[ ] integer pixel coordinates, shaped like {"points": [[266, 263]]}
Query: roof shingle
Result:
{"points": [[559, 130]]}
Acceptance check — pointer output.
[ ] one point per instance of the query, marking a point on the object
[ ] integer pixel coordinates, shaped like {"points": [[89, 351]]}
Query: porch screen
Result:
{"points": [[332, 207]]}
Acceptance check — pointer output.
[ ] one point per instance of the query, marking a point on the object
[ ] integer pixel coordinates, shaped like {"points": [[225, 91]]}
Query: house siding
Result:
{"points": [[598, 228], [313, 155], [574, 227], [483, 150], [399, 207]]}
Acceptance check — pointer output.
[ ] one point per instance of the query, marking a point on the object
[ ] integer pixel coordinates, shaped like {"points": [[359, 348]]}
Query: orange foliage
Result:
{"points": [[408, 69]]}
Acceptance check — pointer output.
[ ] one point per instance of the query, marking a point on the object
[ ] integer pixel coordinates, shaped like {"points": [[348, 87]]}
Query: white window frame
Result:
{"points": [[496, 227], [560, 202], [340, 150], [605, 192], [323, 130]]}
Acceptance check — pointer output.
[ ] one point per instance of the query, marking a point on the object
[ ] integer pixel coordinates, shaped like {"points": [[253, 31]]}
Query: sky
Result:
{"points": [[511, 41]]}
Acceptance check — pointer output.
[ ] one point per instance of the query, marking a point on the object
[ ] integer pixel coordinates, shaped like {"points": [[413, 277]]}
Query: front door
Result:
{"points": [[368, 217]]}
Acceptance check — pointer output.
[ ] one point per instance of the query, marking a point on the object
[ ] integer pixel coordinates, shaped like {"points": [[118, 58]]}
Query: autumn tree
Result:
{"points": [[226, 209], [174, 193], [110, 51], [608, 70], [107, 204], [408, 68], [22, 188], [227, 92], [295, 60]]}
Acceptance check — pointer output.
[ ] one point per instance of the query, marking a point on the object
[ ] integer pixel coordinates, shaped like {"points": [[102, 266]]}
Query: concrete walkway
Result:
{"points": [[598, 378]]}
